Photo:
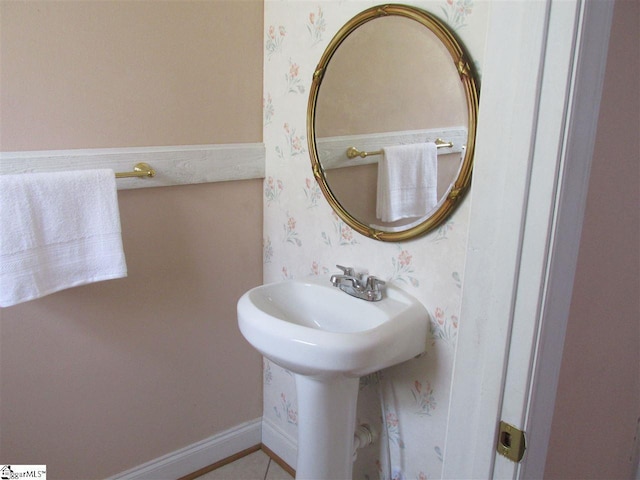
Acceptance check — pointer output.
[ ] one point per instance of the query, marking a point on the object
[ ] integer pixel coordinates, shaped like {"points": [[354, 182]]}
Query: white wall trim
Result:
{"points": [[198, 455], [174, 165], [502, 163], [581, 123], [279, 442], [530, 181]]}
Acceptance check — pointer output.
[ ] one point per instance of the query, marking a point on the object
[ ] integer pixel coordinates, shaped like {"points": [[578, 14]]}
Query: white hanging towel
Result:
{"points": [[58, 230], [407, 181]]}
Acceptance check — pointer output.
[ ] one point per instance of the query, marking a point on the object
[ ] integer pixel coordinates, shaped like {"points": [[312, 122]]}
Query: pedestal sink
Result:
{"points": [[329, 339]]}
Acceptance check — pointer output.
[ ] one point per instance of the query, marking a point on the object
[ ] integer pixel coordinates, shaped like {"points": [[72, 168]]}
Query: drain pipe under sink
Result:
{"points": [[362, 437]]}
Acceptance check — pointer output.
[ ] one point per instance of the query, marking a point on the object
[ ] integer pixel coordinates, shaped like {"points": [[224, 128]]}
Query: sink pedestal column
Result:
{"points": [[326, 425]]}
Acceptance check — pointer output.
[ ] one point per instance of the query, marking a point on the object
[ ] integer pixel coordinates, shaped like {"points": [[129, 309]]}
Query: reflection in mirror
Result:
{"points": [[392, 76]]}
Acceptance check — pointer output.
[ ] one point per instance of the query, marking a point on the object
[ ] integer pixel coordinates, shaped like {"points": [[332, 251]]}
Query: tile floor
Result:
{"points": [[255, 466]]}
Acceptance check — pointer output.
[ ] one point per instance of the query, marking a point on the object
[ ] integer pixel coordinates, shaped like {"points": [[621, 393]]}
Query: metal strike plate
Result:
{"points": [[511, 442]]}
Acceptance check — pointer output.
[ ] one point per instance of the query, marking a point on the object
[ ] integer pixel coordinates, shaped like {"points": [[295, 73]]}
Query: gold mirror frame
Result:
{"points": [[461, 61]]}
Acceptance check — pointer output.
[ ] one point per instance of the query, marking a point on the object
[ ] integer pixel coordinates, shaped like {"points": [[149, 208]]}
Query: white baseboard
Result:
{"points": [[279, 442], [198, 455]]}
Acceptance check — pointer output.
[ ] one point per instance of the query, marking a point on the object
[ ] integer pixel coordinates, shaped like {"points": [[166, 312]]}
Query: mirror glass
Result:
{"points": [[393, 75]]}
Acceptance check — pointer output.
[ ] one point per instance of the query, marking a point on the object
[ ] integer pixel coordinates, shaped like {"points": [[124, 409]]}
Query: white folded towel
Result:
{"points": [[407, 181], [58, 230]]}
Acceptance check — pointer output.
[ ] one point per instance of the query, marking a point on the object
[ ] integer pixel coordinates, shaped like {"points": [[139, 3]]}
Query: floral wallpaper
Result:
{"points": [[408, 403]]}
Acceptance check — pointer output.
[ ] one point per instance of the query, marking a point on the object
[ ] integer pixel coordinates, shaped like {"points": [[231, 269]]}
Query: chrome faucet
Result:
{"points": [[366, 287]]}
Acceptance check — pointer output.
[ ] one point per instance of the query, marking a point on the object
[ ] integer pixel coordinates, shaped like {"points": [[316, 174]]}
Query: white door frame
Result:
{"points": [[539, 103]]}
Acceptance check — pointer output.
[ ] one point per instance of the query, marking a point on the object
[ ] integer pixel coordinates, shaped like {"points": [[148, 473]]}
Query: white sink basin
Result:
{"points": [[312, 328], [329, 339]]}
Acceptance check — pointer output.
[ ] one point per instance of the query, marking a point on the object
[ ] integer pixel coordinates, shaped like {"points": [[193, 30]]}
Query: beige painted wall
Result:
{"points": [[98, 379], [81, 74], [598, 401]]}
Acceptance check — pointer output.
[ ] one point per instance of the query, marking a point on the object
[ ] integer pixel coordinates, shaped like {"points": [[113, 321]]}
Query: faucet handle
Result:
{"points": [[349, 271], [374, 283], [373, 290]]}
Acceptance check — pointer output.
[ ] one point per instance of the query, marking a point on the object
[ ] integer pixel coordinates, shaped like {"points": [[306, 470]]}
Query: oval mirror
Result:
{"points": [[391, 122]]}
